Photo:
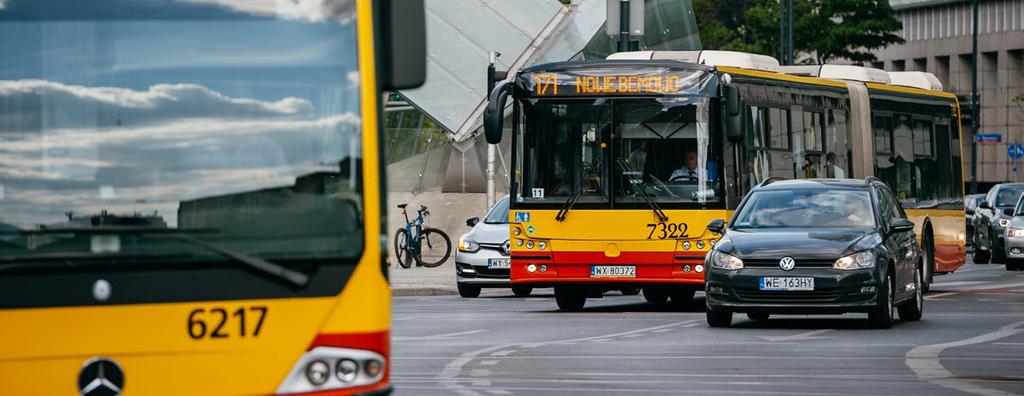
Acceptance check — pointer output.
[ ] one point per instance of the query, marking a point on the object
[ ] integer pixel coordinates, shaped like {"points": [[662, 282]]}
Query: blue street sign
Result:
{"points": [[988, 138], [1015, 151]]}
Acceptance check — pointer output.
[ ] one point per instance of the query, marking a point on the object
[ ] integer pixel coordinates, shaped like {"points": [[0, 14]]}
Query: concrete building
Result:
{"points": [[938, 40]]}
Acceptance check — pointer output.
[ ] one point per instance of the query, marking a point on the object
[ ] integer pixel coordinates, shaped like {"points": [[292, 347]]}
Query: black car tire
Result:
{"points": [[469, 291], [570, 298], [522, 291], [719, 318], [1013, 265], [631, 291], [981, 256], [682, 297], [758, 316], [881, 316], [653, 295], [913, 310]]}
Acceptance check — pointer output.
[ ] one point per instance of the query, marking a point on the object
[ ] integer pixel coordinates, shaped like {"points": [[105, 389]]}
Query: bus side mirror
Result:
{"points": [[403, 46], [717, 226], [494, 113], [733, 114]]}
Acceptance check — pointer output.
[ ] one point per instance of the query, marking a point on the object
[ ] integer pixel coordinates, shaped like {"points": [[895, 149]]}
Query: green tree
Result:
{"points": [[824, 30]]}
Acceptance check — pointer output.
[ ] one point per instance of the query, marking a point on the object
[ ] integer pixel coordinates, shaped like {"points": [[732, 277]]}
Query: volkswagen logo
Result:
{"points": [[787, 263], [100, 376], [505, 247]]}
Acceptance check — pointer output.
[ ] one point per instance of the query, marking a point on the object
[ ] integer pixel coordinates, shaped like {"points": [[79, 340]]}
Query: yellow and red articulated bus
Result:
{"points": [[620, 164], [191, 195]]}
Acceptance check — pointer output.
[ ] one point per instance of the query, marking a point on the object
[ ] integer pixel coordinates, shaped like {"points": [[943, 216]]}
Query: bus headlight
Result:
{"points": [[865, 259], [313, 372], [725, 261]]}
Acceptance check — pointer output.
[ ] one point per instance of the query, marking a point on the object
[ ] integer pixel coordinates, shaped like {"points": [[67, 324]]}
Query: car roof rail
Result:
{"points": [[770, 180], [872, 179]]}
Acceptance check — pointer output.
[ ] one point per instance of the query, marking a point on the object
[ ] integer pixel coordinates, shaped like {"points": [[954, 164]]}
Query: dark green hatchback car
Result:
{"points": [[815, 247]]}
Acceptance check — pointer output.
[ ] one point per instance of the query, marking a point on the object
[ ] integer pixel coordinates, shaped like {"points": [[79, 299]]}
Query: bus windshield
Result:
{"points": [[168, 117], [624, 151]]}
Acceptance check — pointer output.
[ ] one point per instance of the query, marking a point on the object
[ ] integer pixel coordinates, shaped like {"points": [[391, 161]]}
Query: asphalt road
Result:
{"points": [[970, 341]]}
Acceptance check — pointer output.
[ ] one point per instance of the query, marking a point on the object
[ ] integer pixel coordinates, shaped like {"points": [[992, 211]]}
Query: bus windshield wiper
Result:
{"points": [[290, 276], [560, 216], [662, 217]]}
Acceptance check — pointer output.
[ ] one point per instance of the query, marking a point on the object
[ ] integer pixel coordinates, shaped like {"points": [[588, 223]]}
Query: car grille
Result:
{"points": [[799, 263], [815, 296], [484, 272]]}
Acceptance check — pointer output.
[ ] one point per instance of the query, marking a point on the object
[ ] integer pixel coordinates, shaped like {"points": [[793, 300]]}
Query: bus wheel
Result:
{"points": [[570, 298], [522, 291], [928, 264], [654, 295]]}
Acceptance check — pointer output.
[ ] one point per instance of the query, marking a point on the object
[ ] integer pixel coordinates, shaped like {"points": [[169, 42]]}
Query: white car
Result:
{"points": [[482, 259]]}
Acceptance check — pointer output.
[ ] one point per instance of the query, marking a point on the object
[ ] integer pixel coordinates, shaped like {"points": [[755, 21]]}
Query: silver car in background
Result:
{"points": [[482, 259], [1014, 238]]}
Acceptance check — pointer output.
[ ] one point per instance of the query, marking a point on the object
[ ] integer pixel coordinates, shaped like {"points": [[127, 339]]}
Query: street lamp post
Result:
{"points": [[975, 105]]}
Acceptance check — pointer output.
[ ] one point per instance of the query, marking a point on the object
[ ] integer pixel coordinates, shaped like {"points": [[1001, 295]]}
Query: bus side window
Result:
{"points": [[837, 145], [884, 167], [924, 173]]}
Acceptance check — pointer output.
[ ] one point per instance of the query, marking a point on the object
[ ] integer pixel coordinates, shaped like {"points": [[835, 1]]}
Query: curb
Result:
{"points": [[410, 291]]}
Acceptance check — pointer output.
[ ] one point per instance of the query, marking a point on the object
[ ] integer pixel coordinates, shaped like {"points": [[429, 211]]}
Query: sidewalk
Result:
{"points": [[419, 281]]}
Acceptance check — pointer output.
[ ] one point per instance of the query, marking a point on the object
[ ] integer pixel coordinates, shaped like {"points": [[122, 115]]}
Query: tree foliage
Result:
{"points": [[823, 30]]}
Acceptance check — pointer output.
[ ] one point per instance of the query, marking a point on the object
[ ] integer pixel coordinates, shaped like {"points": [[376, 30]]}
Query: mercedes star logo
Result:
{"points": [[787, 263], [100, 376], [506, 247]]}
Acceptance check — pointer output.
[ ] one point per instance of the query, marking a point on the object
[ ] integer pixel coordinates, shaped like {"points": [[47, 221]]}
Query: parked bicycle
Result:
{"points": [[429, 247]]}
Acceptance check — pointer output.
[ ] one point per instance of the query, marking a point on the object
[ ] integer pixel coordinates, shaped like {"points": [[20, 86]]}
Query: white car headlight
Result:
{"points": [[1015, 232], [725, 261], [1004, 222], [468, 245], [865, 259]]}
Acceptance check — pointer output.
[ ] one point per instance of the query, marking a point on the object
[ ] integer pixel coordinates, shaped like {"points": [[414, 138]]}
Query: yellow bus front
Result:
{"points": [[190, 199], [619, 168]]}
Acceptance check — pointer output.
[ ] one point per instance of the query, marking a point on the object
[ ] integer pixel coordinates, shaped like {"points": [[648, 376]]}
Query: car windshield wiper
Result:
{"points": [[560, 216], [662, 217], [290, 276]]}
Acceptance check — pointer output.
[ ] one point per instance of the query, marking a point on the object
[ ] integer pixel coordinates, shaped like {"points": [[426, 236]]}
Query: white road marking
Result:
{"points": [[934, 296], [1009, 343], [503, 353], [498, 392], [479, 373], [661, 331], [489, 362], [810, 335], [924, 361], [438, 336], [959, 283]]}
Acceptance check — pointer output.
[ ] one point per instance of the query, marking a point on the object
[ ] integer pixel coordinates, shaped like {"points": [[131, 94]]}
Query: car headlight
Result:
{"points": [[1004, 222], [1015, 232], [725, 261], [468, 245], [865, 259]]}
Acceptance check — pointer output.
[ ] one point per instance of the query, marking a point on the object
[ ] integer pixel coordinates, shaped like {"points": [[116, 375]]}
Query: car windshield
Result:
{"points": [[1007, 196], [499, 213], [806, 209]]}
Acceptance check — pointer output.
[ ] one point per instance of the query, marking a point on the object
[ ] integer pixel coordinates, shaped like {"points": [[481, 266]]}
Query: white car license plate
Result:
{"points": [[613, 271], [787, 284], [499, 263]]}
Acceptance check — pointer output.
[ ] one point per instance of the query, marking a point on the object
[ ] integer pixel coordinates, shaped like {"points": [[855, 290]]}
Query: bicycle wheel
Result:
{"points": [[401, 250], [435, 247]]}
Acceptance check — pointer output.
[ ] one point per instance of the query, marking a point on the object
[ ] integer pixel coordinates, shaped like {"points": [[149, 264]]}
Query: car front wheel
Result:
{"points": [[719, 318], [468, 291], [881, 317], [913, 310]]}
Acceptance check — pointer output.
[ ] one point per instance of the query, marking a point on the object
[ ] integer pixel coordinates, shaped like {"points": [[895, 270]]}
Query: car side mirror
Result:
{"points": [[984, 205], [494, 112], [901, 225], [472, 221], [969, 211], [717, 226], [403, 48], [1008, 212], [733, 114]]}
